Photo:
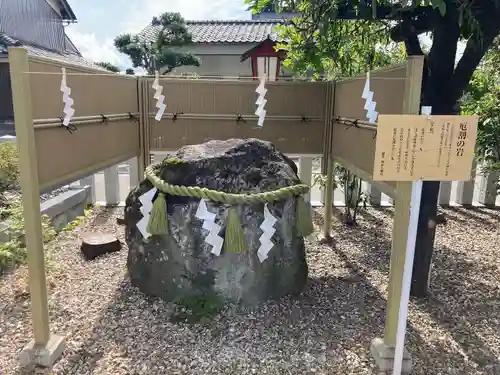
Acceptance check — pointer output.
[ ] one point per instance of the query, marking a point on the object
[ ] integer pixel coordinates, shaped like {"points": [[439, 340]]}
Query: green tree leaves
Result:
{"points": [[164, 52], [339, 48], [439, 4], [483, 99], [108, 66]]}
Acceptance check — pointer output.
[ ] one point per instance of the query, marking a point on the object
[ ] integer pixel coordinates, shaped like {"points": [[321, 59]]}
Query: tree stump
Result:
{"points": [[97, 244]]}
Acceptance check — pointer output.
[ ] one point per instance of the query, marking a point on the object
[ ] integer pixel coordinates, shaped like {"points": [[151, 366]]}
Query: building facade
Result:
{"points": [[39, 26], [236, 48]]}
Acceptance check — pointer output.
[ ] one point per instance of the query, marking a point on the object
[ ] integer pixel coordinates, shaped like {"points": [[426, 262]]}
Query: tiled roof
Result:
{"points": [[6, 41], [252, 31], [70, 46], [67, 12], [72, 58]]}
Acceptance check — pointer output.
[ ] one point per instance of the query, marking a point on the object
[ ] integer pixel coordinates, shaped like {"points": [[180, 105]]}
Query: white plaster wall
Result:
{"points": [[275, 16], [219, 48], [219, 65], [219, 60]]}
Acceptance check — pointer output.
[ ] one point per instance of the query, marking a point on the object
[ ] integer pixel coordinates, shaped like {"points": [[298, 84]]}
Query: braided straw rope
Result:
{"points": [[219, 196]]}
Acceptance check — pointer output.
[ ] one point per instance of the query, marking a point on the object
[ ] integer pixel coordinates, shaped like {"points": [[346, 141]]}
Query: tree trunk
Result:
{"points": [[442, 87], [442, 104], [438, 91], [424, 246]]}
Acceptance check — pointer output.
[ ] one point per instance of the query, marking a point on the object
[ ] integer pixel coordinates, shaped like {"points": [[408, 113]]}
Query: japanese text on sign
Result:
{"points": [[436, 148]]}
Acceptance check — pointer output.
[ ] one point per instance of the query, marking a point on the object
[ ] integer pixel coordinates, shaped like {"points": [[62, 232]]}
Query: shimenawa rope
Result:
{"points": [[234, 234]]}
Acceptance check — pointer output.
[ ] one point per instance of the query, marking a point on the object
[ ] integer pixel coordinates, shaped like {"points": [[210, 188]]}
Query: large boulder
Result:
{"points": [[180, 263]]}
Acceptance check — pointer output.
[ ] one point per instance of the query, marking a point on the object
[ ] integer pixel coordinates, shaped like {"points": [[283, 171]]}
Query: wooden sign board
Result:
{"points": [[429, 148]]}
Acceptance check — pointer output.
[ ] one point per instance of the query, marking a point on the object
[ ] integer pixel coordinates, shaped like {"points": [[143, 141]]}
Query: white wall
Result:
{"points": [[219, 48], [219, 65], [275, 16], [219, 60], [222, 60]]}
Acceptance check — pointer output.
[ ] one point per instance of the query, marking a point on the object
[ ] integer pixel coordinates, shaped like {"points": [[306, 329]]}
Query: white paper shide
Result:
{"points": [[370, 105], [159, 97], [146, 200], [68, 101], [209, 224], [261, 102], [267, 226]]}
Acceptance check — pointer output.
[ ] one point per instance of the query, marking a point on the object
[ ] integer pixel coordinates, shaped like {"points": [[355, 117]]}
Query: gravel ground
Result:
{"points": [[112, 329]]}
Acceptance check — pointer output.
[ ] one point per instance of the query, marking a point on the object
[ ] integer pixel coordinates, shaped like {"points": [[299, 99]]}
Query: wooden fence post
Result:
{"points": [[329, 167], [144, 158], [329, 198], [146, 120], [383, 349], [46, 347]]}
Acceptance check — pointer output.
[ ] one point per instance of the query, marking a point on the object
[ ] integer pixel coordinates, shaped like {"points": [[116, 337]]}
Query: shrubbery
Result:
{"points": [[9, 171], [483, 99], [13, 251]]}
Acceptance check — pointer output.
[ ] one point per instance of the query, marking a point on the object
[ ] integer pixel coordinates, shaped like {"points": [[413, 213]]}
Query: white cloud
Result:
{"points": [[94, 49], [95, 39], [144, 11]]}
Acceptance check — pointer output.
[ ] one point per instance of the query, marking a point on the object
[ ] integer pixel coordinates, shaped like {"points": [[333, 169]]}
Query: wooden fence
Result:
{"points": [[105, 135], [51, 156], [114, 124], [202, 110], [300, 121]]}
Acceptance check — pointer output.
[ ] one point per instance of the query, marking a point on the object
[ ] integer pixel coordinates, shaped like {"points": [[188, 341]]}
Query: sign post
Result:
{"points": [[419, 148]]}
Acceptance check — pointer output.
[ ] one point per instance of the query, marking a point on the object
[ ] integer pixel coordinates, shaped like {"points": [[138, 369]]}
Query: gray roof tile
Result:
{"points": [[72, 58], [6, 41], [252, 31]]}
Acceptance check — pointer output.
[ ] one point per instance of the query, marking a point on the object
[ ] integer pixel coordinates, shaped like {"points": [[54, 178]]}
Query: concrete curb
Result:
{"points": [[62, 209]]}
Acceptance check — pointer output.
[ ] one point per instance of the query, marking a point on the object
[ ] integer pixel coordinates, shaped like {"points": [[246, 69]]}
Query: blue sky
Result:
{"points": [[100, 21]]}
